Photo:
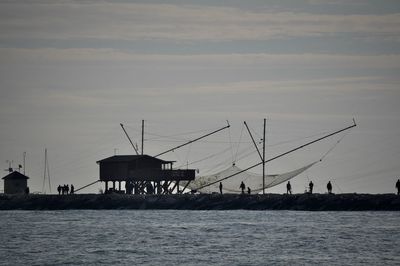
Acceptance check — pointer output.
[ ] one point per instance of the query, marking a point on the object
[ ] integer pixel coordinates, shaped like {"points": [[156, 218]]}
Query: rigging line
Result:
{"points": [[227, 162], [240, 139], [207, 157], [297, 139], [230, 144], [187, 154], [334, 146], [341, 191]]}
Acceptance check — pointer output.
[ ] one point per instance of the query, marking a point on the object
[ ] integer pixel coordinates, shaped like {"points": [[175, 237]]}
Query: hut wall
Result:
{"points": [[113, 171], [15, 186]]}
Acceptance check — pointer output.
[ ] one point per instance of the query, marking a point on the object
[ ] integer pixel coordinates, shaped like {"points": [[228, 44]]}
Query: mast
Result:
{"points": [[142, 135], [45, 169], [263, 159], [189, 142]]}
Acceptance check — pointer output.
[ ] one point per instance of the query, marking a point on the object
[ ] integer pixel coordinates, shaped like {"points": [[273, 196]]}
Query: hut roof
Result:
{"points": [[130, 158], [15, 175]]}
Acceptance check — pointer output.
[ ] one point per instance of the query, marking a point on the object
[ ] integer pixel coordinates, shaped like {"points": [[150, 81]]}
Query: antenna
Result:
{"points": [[10, 168]]}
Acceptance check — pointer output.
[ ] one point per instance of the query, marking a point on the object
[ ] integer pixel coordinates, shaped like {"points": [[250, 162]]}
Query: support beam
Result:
{"points": [[187, 184]]}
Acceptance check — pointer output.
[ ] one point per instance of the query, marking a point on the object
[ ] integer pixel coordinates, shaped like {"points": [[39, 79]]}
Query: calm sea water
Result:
{"points": [[131, 237]]}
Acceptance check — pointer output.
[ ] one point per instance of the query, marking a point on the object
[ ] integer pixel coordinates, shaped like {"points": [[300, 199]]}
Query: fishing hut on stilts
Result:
{"points": [[145, 174]]}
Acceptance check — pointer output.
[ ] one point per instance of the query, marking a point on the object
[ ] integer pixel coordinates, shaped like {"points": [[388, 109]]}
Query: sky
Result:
{"points": [[71, 71]]}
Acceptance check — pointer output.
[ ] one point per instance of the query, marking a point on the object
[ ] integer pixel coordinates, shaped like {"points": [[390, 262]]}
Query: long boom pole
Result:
{"points": [[137, 153], [251, 136], [280, 155], [189, 142]]}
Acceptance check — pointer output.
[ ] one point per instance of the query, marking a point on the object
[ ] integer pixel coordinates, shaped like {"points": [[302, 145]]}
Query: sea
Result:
{"points": [[176, 237]]}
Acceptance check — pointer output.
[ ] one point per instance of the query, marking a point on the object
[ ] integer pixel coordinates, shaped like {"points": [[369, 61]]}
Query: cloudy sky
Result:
{"points": [[71, 71]]}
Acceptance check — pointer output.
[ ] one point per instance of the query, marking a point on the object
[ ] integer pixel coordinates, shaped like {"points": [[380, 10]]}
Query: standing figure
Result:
{"points": [[311, 186], [59, 189], [248, 190], [72, 189], [329, 187], [220, 188], [398, 186], [288, 188], [242, 187]]}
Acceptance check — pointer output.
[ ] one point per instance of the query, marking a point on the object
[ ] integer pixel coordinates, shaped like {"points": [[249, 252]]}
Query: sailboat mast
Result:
{"points": [[45, 170]]}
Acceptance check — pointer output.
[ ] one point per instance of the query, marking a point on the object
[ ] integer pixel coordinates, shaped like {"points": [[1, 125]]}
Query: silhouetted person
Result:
{"points": [[59, 189], [311, 186], [248, 190], [220, 187], [288, 188], [242, 187], [329, 187], [72, 189], [398, 186]]}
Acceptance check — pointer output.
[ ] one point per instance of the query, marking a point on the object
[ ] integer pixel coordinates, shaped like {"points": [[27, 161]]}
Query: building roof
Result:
{"points": [[129, 158], [15, 175]]}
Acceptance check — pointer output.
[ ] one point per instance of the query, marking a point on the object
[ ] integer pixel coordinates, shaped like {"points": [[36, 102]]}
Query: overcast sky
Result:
{"points": [[71, 71]]}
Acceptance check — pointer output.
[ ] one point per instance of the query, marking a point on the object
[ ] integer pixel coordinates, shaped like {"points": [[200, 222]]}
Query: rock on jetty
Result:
{"points": [[303, 202]]}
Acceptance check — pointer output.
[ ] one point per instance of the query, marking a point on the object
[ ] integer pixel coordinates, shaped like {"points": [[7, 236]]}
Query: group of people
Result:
{"points": [[289, 187], [310, 187], [242, 188], [65, 189]]}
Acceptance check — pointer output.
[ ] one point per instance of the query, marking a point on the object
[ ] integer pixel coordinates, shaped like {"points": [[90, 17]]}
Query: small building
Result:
{"points": [[142, 174], [15, 183]]}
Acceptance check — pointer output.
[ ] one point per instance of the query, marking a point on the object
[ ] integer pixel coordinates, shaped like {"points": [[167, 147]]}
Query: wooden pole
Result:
{"points": [[263, 159], [142, 135]]}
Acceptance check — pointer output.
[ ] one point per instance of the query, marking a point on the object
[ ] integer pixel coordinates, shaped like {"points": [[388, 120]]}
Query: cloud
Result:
{"points": [[134, 21], [308, 60]]}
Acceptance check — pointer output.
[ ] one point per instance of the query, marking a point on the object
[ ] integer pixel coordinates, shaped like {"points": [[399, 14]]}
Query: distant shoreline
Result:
{"points": [[301, 202]]}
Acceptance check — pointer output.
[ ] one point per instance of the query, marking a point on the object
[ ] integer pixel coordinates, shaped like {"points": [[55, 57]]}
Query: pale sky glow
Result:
{"points": [[71, 71]]}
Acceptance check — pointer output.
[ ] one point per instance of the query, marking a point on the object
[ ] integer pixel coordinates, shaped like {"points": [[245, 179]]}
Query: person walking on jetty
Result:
{"points": [[242, 187], [398, 186], [72, 189], [220, 188], [288, 188], [248, 190], [311, 186], [59, 189], [329, 187]]}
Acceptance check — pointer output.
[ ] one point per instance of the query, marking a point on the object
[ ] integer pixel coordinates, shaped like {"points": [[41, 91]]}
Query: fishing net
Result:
{"points": [[251, 180]]}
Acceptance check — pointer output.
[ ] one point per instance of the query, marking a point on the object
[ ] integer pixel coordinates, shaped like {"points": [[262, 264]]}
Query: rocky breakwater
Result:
{"points": [[303, 202]]}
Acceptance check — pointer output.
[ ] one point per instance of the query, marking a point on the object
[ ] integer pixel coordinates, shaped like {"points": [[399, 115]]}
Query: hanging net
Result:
{"points": [[251, 180]]}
